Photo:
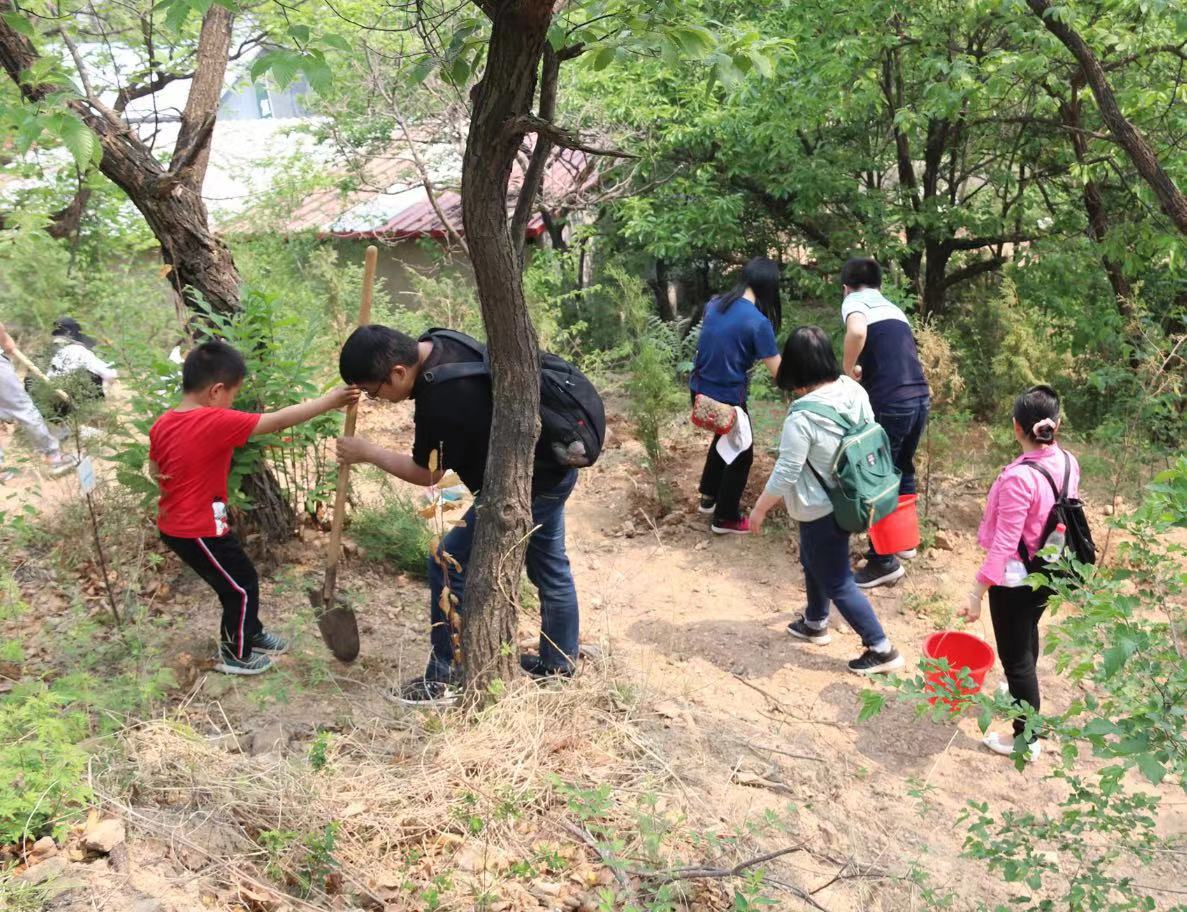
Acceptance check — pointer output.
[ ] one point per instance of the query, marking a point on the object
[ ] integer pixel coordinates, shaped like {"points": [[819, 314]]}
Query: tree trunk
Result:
{"points": [[201, 263], [661, 289], [1129, 137], [1094, 205], [505, 92]]}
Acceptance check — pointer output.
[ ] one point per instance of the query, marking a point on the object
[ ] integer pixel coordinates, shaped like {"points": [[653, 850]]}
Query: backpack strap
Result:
{"points": [[824, 411], [1051, 481], [457, 370]]}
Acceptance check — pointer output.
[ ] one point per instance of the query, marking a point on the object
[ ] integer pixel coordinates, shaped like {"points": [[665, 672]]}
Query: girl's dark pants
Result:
{"points": [[1015, 612], [725, 484]]}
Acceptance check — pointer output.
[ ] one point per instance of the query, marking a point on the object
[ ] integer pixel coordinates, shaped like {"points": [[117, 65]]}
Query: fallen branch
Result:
{"points": [[611, 863]]}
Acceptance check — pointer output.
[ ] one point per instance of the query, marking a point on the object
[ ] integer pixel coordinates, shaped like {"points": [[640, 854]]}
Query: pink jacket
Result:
{"points": [[1019, 503]]}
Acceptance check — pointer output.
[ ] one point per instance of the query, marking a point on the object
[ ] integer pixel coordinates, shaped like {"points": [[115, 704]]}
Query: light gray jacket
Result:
{"points": [[811, 438]]}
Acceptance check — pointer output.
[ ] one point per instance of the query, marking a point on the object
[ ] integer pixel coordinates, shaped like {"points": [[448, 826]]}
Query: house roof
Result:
{"points": [[387, 200]]}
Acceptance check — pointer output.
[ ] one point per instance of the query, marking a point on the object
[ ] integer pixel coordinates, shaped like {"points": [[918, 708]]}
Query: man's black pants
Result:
{"points": [[227, 569]]}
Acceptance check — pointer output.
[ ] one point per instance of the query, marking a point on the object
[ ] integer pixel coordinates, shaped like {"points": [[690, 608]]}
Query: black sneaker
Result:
{"points": [[253, 664], [269, 644], [424, 692], [879, 573], [532, 665], [871, 663], [801, 631], [707, 505]]}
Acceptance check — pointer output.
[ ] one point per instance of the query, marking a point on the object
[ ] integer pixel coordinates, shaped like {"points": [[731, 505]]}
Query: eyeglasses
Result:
{"points": [[372, 395]]}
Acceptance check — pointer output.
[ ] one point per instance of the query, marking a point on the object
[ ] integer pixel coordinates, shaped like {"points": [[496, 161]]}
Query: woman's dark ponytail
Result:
{"points": [[762, 276], [1037, 413]]}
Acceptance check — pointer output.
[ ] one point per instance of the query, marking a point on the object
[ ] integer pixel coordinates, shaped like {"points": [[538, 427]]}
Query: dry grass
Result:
{"points": [[509, 808]]}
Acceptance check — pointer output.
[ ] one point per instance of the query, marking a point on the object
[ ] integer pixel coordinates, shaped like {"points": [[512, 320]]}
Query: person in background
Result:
{"points": [[810, 442], [15, 405], [74, 354], [737, 331], [881, 354], [1020, 501]]}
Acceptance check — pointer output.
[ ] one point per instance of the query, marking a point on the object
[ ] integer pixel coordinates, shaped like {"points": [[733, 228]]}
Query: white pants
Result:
{"points": [[15, 405]]}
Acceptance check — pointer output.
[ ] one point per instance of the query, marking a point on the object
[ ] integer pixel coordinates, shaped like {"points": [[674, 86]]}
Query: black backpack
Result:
{"points": [[1068, 511], [572, 416]]}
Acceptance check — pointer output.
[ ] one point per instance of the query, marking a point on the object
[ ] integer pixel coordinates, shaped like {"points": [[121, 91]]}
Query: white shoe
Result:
{"points": [[60, 463], [1005, 748], [909, 554]]}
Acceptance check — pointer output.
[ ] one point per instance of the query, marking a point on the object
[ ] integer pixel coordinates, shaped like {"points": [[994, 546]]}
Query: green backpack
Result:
{"points": [[865, 481]]}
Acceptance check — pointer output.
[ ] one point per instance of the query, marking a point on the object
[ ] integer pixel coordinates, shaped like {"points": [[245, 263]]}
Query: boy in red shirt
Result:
{"points": [[189, 454]]}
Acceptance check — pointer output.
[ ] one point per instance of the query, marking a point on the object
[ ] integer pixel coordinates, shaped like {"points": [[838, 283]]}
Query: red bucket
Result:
{"points": [[963, 652], [900, 530]]}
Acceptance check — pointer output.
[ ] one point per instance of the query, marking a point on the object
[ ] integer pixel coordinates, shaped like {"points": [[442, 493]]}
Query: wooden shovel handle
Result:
{"points": [[36, 372], [347, 431]]}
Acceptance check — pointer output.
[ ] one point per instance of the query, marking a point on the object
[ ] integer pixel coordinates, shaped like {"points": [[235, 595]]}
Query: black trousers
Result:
{"points": [[227, 569], [725, 484], [1015, 612]]}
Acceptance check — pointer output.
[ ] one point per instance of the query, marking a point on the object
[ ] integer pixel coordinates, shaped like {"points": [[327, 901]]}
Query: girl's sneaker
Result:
{"points": [[269, 644], [707, 505], [870, 662], [228, 663], [801, 631], [1005, 747]]}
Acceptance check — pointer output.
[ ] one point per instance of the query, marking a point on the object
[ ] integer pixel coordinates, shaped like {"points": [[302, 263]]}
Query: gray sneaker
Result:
{"points": [[269, 644], [801, 631], [228, 663]]}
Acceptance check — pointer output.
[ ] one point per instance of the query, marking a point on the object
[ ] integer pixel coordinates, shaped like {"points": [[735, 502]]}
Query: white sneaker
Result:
{"points": [[909, 554], [1005, 747], [60, 463]]}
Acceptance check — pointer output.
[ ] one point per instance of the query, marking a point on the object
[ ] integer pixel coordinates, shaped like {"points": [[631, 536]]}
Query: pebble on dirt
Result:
{"points": [[104, 836]]}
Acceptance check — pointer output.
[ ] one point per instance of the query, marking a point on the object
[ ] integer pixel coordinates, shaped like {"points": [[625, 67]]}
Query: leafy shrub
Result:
{"points": [[42, 766], [392, 531], [655, 397]]}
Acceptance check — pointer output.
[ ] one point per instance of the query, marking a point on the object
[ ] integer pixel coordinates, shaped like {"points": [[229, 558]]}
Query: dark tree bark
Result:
{"points": [[661, 289], [1094, 205], [1129, 137], [500, 100], [165, 197]]}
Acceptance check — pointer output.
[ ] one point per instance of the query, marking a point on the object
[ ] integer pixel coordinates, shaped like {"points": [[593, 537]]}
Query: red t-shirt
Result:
{"points": [[193, 451]]}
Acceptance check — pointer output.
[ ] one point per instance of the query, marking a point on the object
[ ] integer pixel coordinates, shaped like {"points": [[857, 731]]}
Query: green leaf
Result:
{"points": [[78, 138], [1113, 659], [1151, 768], [337, 42], [299, 33], [178, 11], [423, 68], [872, 703], [284, 68], [262, 65], [318, 73], [604, 57], [20, 24], [458, 71]]}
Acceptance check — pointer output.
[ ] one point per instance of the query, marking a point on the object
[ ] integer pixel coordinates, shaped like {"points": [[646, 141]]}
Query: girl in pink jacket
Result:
{"points": [[1019, 503]]}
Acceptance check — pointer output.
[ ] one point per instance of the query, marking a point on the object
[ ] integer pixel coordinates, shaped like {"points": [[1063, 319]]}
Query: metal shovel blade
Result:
{"points": [[339, 627]]}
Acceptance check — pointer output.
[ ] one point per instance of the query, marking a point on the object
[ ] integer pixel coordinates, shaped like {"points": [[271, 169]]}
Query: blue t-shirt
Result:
{"points": [[890, 368], [729, 346]]}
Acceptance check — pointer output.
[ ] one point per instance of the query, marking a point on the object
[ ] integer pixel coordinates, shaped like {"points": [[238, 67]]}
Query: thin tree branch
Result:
{"points": [[530, 123]]}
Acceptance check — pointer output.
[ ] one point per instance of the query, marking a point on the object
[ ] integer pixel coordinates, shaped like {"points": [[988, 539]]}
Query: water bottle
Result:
{"points": [[1052, 549], [1015, 574]]}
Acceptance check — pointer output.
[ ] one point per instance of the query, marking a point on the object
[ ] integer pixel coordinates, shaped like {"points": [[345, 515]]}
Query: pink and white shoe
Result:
{"points": [[60, 463]]}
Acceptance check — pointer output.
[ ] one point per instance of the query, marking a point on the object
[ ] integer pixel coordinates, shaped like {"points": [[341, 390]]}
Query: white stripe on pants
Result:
{"points": [[15, 405]]}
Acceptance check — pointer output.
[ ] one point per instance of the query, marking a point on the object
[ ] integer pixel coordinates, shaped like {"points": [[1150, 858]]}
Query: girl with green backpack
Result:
{"points": [[832, 418]]}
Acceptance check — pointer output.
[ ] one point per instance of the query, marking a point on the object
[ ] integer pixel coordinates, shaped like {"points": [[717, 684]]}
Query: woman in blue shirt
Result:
{"points": [[737, 331]]}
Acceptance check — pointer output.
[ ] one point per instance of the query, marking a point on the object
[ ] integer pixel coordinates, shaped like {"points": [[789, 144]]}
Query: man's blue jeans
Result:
{"points": [[904, 423], [828, 576], [548, 568]]}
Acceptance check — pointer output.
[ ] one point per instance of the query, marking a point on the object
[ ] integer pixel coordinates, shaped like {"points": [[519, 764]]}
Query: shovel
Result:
{"points": [[32, 368], [337, 623]]}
